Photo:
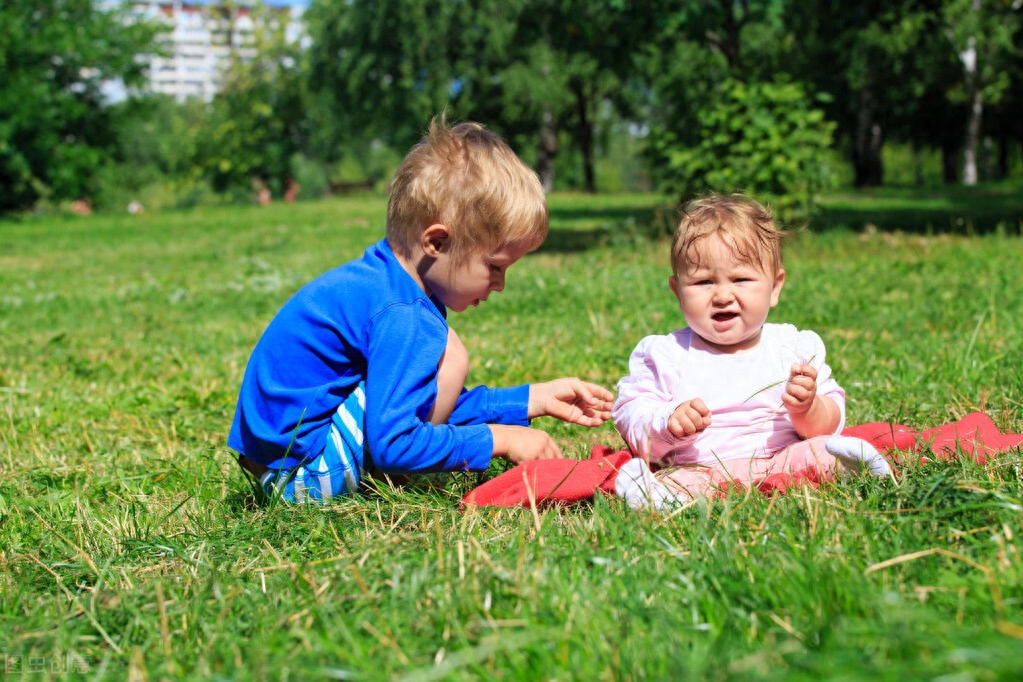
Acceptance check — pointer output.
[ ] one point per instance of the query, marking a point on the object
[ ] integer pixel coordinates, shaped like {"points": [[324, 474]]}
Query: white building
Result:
{"points": [[202, 36]]}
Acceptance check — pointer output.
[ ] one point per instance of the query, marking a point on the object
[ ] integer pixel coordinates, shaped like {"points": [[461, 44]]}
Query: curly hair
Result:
{"points": [[743, 223]]}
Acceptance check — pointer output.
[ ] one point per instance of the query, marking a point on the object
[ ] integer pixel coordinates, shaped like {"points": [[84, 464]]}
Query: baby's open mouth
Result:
{"points": [[724, 317]]}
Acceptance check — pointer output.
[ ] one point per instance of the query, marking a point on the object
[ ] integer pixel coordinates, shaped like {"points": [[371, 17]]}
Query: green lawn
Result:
{"points": [[131, 545], [949, 210]]}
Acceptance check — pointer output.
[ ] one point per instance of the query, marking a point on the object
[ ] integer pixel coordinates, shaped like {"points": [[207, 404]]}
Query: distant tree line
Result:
{"points": [[764, 95]]}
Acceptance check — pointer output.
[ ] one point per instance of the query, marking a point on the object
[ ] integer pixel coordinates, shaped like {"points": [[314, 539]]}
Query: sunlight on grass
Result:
{"points": [[132, 545]]}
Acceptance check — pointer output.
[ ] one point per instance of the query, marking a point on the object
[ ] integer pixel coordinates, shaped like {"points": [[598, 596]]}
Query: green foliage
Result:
{"points": [[526, 69], [311, 176], [896, 70], [905, 166], [389, 65], [991, 29], [155, 156], [54, 131], [568, 61], [168, 154], [256, 121], [557, 78], [763, 138]]}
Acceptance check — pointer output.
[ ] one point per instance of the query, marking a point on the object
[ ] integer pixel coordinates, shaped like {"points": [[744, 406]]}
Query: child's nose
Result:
{"points": [[497, 283], [723, 293]]}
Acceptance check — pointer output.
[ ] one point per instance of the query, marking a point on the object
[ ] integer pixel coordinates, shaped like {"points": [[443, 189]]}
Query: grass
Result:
{"points": [[995, 207], [131, 545]]}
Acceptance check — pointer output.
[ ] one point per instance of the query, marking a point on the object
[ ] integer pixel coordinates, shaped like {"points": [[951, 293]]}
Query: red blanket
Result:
{"points": [[566, 481]]}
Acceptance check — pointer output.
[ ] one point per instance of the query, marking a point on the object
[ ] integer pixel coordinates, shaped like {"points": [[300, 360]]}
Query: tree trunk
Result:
{"points": [[988, 164], [1003, 156], [867, 143], [918, 165], [729, 44], [970, 143], [547, 149], [968, 57], [949, 161], [584, 138]]}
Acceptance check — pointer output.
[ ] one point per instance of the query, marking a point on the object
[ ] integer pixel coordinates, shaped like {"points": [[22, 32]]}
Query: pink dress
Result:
{"points": [[750, 436]]}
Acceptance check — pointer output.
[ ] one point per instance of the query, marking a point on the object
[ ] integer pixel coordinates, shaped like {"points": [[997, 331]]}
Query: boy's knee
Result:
{"points": [[455, 361], [452, 372]]}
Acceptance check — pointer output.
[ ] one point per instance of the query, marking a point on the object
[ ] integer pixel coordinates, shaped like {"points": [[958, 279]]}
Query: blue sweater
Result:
{"points": [[367, 320]]}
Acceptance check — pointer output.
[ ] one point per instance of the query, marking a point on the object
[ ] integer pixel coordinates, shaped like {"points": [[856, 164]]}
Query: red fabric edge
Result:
{"points": [[568, 481]]}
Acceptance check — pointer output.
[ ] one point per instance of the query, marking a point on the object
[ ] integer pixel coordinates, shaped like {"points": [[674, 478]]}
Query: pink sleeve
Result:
{"points": [[646, 397], [826, 384]]}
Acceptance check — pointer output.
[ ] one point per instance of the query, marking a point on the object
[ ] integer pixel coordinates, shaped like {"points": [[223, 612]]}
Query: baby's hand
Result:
{"points": [[519, 444], [688, 418], [801, 389], [571, 400]]}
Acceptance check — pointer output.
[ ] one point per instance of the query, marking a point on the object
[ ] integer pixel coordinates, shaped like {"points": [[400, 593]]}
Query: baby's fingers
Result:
{"points": [[685, 423], [799, 383], [700, 407], [805, 370], [676, 427]]}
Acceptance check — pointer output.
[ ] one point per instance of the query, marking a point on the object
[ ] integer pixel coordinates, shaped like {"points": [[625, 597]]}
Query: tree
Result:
{"points": [[517, 65], [390, 65], [847, 49], [154, 158], [256, 121], [1002, 119], [765, 138], [981, 33], [573, 56], [724, 116], [921, 71], [54, 129]]}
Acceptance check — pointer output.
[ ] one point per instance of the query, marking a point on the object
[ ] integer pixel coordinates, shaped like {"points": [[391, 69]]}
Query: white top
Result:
{"points": [[742, 390]]}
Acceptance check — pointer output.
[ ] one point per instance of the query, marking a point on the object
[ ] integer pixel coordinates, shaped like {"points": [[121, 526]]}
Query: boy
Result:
{"points": [[730, 397], [360, 367]]}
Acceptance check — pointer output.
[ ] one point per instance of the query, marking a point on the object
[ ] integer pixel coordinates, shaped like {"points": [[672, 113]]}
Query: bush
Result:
{"points": [[763, 138], [311, 177]]}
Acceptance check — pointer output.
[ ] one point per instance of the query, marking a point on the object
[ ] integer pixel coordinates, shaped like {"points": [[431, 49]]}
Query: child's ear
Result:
{"points": [[779, 282], [435, 239], [673, 283]]}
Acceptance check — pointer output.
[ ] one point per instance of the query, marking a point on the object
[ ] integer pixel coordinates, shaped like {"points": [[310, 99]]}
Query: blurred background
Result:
{"points": [[157, 104]]}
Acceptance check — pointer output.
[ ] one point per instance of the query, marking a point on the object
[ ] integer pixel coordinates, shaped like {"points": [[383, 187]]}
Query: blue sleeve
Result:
{"points": [[404, 346], [483, 405]]}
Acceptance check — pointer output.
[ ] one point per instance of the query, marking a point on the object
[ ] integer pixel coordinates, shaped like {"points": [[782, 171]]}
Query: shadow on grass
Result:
{"points": [[951, 210], [942, 210], [577, 229], [916, 221]]}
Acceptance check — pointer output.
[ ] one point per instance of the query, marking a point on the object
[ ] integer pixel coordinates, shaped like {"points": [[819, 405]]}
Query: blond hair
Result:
{"points": [[467, 178], [745, 225]]}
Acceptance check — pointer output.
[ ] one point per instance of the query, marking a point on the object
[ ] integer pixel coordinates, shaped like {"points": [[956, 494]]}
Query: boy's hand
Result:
{"points": [[801, 389], [519, 444], [688, 418], [571, 400]]}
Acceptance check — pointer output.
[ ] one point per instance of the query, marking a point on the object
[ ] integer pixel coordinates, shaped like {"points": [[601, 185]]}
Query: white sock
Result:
{"points": [[858, 456], [637, 486]]}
